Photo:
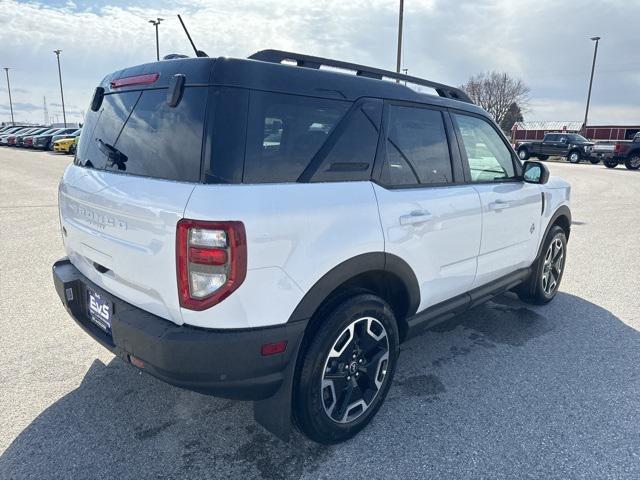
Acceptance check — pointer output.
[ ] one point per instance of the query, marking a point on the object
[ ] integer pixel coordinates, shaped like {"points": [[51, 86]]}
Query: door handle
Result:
{"points": [[499, 205], [415, 217]]}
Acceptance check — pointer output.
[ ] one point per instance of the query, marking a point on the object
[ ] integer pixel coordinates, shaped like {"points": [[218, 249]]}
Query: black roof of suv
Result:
{"points": [[273, 70], [274, 117]]}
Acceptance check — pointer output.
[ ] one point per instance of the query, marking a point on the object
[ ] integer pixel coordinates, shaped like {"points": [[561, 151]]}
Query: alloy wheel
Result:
{"points": [[552, 267], [355, 370]]}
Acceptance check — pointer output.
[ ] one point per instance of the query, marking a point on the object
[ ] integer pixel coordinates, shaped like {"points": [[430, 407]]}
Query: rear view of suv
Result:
{"points": [[268, 229]]}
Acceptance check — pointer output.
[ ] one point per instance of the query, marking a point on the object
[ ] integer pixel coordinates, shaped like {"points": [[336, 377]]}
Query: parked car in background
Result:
{"points": [[6, 128], [11, 139], [8, 132], [55, 138], [620, 151], [65, 145], [19, 141], [27, 141], [43, 141], [572, 146]]}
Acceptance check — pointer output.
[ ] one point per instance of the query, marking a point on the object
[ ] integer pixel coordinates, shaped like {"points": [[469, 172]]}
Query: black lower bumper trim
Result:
{"points": [[225, 363]]}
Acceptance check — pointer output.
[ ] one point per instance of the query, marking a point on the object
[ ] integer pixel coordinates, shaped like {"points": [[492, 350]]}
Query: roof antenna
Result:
{"points": [[199, 53]]}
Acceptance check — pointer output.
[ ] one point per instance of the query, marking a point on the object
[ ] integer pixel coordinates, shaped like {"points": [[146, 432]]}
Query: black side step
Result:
{"points": [[443, 311]]}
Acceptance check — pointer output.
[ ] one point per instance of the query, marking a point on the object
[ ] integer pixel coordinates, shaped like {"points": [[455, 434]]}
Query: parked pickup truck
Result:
{"points": [[570, 145], [621, 151]]}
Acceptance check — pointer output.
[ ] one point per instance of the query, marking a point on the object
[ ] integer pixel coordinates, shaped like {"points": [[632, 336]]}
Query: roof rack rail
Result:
{"points": [[278, 56]]}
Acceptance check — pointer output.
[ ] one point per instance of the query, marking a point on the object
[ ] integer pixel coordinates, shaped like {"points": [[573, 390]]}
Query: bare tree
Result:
{"points": [[496, 92]]}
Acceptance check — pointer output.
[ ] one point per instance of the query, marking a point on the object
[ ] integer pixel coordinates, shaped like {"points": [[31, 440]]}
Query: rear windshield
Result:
{"points": [[138, 133]]}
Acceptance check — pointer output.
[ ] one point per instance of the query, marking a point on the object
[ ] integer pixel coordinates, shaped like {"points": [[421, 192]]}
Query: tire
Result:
{"points": [[594, 160], [523, 154], [609, 163], [72, 150], [574, 156], [633, 161], [543, 157], [542, 285], [363, 325]]}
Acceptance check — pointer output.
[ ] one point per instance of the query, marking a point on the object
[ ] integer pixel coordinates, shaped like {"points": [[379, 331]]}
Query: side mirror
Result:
{"points": [[535, 172]]}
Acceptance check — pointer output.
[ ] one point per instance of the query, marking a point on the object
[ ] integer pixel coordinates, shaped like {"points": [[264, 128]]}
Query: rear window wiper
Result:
{"points": [[115, 156]]}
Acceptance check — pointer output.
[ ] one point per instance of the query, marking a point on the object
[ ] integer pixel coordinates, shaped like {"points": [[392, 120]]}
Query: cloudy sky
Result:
{"points": [[544, 42]]}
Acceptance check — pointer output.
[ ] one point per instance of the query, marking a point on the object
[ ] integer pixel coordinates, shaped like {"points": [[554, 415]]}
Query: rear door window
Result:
{"points": [[138, 133], [284, 132], [417, 148]]}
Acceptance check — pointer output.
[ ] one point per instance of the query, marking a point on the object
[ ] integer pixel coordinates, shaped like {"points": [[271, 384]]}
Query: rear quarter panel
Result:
{"points": [[296, 233]]}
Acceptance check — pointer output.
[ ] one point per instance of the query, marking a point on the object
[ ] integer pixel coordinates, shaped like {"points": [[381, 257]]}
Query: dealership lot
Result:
{"points": [[504, 391]]}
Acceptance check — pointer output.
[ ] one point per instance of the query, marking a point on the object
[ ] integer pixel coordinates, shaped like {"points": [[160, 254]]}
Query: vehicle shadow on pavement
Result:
{"points": [[503, 389]]}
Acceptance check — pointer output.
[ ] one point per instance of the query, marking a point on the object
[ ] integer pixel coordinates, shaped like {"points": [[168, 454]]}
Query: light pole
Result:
{"points": [[155, 23], [64, 114], [399, 58], [406, 72], [6, 69], [593, 67]]}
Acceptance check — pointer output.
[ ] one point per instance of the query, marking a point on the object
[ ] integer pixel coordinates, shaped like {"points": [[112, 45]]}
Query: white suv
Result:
{"points": [[269, 229]]}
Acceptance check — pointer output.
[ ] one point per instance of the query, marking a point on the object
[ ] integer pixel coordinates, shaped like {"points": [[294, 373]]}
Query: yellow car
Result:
{"points": [[66, 145]]}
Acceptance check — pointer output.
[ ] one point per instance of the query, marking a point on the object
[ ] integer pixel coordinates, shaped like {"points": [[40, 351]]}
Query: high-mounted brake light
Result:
{"points": [[211, 261], [146, 79]]}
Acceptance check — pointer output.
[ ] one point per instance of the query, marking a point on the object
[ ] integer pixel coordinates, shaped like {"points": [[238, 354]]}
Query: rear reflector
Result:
{"points": [[135, 80], [136, 362], [273, 348]]}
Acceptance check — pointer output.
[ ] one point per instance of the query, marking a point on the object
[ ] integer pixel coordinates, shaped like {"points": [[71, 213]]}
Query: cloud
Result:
{"points": [[21, 106], [444, 41]]}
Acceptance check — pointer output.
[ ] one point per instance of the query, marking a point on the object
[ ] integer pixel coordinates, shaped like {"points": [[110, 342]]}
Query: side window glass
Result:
{"points": [[488, 157], [417, 148], [351, 157], [284, 132]]}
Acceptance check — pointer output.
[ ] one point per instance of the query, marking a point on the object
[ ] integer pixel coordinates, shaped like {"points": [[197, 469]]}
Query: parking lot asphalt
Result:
{"points": [[504, 391]]}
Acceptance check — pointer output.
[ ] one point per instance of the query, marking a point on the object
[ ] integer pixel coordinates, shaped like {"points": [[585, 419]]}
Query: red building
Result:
{"points": [[522, 131]]}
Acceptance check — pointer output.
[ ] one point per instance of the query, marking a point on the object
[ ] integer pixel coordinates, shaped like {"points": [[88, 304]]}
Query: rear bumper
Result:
{"points": [[225, 363]]}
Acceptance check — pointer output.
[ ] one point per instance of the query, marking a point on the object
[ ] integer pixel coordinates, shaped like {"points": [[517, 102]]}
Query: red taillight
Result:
{"points": [[135, 80], [211, 261], [208, 256], [616, 148]]}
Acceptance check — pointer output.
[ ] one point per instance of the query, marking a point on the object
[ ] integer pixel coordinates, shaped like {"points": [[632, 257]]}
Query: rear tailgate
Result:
{"points": [[137, 162], [120, 233], [604, 147]]}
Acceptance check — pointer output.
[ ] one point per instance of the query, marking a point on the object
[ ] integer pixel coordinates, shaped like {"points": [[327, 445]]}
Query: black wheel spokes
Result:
{"points": [[355, 370]]}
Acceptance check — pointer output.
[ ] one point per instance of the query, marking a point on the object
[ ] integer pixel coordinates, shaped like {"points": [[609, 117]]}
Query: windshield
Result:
{"points": [[577, 138]]}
